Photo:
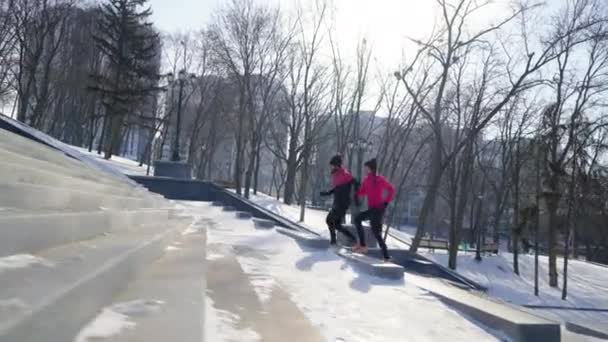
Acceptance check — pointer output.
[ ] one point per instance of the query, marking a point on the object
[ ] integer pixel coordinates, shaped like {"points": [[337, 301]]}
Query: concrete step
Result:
{"points": [[32, 149], [12, 173], [30, 196], [243, 215], [55, 298], [370, 239], [515, 324], [81, 171], [30, 232], [263, 224], [179, 315], [373, 266]]}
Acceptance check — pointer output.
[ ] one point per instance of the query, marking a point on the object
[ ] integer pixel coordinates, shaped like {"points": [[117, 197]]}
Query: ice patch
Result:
{"points": [[114, 320], [11, 305], [138, 307], [221, 325], [263, 283], [22, 261]]}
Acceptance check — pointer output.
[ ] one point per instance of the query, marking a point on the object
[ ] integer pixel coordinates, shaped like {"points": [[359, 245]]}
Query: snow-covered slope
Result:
{"points": [[587, 286], [338, 300]]}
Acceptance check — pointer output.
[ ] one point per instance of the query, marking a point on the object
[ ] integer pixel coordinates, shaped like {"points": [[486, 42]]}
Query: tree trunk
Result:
{"points": [[250, 167], [115, 136], [304, 179], [104, 132], [256, 173], [552, 204], [239, 148], [428, 206], [464, 189], [516, 224], [292, 168]]}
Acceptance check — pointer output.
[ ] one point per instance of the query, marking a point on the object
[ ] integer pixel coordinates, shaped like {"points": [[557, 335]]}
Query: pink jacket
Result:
{"points": [[341, 177], [373, 187]]}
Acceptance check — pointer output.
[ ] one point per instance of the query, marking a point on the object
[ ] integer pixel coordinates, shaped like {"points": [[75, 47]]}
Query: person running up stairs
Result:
{"points": [[342, 183], [374, 187]]}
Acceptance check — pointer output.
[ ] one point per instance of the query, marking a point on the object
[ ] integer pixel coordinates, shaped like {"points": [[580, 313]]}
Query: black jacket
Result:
{"points": [[343, 194]]}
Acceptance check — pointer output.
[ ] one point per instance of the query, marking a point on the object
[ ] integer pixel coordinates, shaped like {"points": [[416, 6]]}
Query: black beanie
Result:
{"points": [[372, 164], [336, 160]]}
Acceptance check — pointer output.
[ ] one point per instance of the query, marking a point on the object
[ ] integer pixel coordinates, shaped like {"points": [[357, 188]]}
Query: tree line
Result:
{"points": [[499, 127]]}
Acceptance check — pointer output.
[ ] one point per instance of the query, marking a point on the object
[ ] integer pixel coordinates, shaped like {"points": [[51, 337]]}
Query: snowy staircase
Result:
{"points": [[74, 239]]}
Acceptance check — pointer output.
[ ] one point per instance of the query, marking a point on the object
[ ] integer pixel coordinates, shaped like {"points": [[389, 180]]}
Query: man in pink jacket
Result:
{"points": [[379, 193]]}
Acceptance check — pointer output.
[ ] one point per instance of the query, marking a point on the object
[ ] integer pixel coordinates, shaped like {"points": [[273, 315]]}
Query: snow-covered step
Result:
{"points": [[512, 322], [19, 173], [305, 239], [30, 231], [370, 239], [33, 149], [57, 291], [263, 224], [31, 196], [373, 266], [243, 215], [165, 302], [80, 171]]}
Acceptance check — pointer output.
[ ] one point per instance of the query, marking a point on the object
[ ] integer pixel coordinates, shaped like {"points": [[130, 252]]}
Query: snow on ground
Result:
{"points": [[125, 165], [587, 285], [339, 300], [220, 325], [115, 319], [22, 261]]}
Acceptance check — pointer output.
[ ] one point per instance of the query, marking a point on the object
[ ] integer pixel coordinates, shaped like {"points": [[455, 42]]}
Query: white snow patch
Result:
{"points": [[214, 256], [172, 248], [263, 284], [107, 324], [114, 320], [220, 325], [193, 229], [22, 261], [126, 165]]}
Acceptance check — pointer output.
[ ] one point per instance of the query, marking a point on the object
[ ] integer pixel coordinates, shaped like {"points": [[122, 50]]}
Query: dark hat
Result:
{"points": [[372, 164], [336, 160]]}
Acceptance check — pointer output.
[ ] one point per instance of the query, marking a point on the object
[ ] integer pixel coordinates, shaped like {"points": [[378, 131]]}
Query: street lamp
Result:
{"points": [[359, 146], [182, 78]]}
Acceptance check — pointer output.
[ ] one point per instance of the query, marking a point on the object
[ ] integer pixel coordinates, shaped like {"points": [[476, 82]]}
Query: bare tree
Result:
{"points": [[446, 47]]}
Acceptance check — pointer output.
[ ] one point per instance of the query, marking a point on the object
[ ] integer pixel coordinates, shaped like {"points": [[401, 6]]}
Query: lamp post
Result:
{"points": [[174, 168], [359, 146], [175, 155]]}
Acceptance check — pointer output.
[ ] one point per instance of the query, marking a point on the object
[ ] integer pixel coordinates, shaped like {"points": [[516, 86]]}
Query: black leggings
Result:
{"points": [[375, 218], [334, 222]]}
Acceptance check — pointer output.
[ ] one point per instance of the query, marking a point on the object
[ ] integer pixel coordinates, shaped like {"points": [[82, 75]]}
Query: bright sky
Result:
{"points": [[385, 23]]}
